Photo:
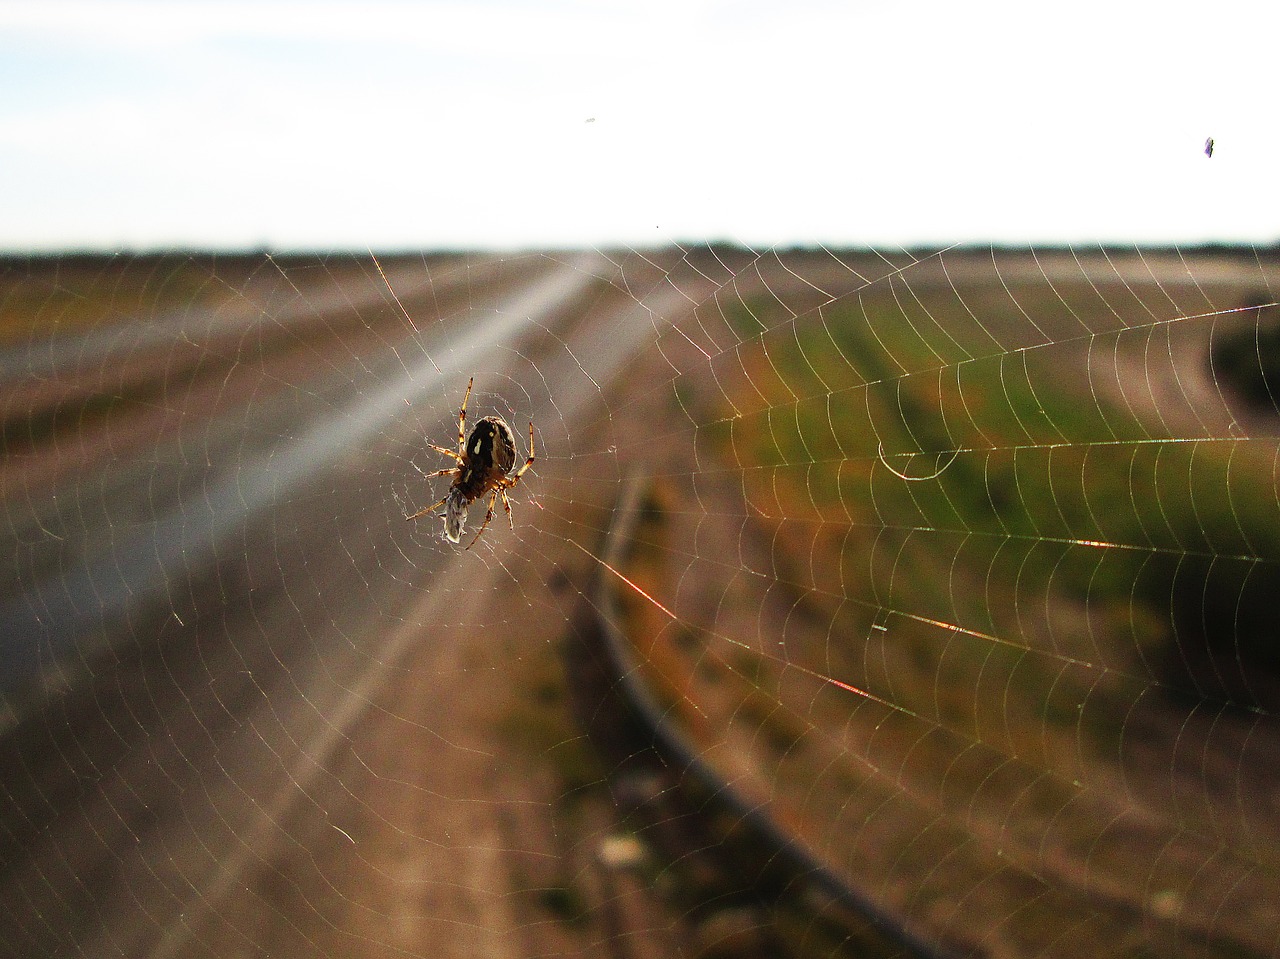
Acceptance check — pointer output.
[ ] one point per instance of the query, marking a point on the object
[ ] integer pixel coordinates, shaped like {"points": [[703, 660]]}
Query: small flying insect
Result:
{"points": [[484, 460], [1208, 146]]}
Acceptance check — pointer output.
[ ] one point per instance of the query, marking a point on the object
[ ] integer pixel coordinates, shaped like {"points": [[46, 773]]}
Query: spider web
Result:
{"points": [[858, 602]]}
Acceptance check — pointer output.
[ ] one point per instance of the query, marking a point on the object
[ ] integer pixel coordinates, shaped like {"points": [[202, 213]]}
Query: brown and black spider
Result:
{"points": [[484, 460]]}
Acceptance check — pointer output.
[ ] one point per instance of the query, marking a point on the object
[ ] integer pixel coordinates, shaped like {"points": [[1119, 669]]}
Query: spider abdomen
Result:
{"points": [[490, 454]]}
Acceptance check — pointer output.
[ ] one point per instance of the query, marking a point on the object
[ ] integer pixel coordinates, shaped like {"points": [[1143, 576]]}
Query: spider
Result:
{"points": [[484, 460]]}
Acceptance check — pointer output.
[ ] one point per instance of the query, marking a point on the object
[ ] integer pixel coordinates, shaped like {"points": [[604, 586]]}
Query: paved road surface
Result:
{"points": [[280, 717]]}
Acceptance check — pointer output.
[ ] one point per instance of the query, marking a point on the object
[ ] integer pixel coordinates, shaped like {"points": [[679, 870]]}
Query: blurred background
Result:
{"points": [[894, 573]]}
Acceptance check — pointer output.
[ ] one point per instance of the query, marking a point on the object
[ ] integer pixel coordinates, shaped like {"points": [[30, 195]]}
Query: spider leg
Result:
{"points": [[487, 517], [444, 472], [424, 512], [515, 478], [441, 449], [462, 420], [506, 504]]}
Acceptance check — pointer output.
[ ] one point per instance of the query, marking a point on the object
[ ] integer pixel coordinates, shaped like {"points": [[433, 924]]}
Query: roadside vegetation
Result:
{"points": [[986, 547]]}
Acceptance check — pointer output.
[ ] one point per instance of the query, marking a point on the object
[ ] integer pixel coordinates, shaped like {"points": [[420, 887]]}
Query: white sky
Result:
{"points": [[318, 125]]}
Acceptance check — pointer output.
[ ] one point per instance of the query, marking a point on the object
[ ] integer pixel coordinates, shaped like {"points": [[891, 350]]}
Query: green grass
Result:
{"points": [[1051, 496], [1081, 553]]}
